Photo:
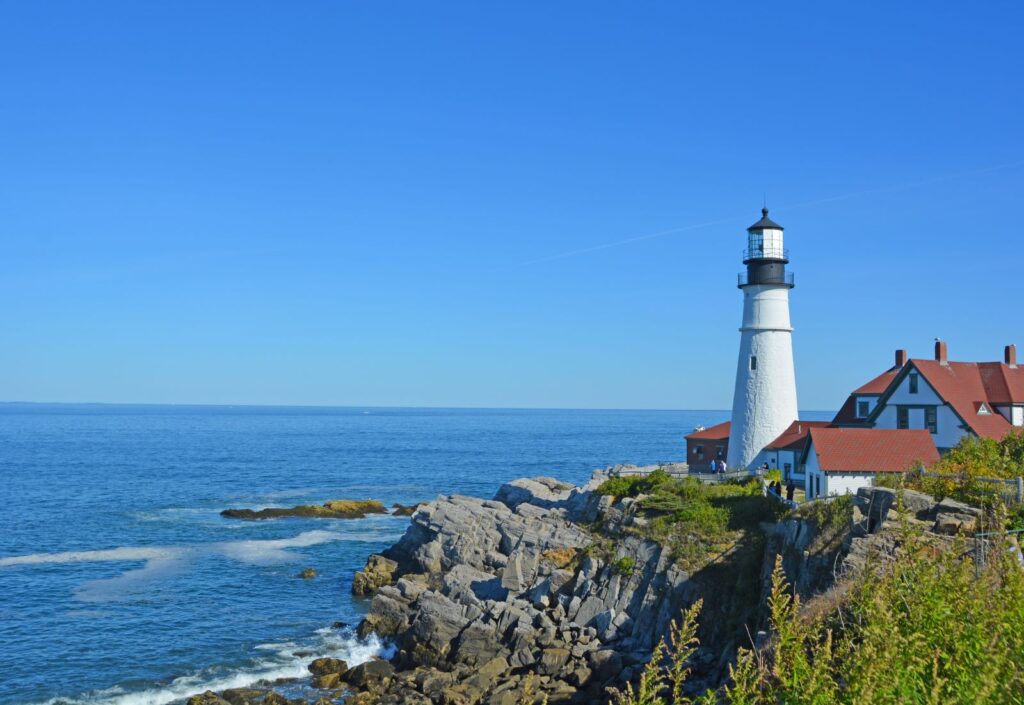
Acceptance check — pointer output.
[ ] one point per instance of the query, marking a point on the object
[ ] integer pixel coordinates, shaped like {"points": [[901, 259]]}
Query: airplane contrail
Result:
{"points": [[804, 204]]}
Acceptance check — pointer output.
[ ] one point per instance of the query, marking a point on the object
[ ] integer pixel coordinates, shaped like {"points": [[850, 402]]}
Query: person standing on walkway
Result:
{"points": [[790, 489]]}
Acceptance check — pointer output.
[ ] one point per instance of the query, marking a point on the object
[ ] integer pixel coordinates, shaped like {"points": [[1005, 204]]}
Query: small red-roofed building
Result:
{"points": [[784, 452], [707, 444], [839, 461]]}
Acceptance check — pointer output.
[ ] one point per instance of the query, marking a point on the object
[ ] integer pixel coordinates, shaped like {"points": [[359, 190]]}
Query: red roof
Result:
{"points": [[871, 449], [963, 385], [718, 432], [793, 437], [879, 384]]}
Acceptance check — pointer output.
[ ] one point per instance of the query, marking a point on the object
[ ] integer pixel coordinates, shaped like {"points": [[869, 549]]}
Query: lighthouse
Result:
{"points": [[764, 403]]}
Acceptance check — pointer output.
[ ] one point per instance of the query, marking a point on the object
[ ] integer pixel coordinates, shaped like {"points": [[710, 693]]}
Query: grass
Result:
{"points": [[695, 520]]}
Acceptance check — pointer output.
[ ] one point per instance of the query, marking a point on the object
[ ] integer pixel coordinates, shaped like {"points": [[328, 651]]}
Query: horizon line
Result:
{"points": [[363, 406]]}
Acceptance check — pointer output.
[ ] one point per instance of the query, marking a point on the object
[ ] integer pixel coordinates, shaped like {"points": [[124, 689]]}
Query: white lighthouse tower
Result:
{"points": [[764, 403]]}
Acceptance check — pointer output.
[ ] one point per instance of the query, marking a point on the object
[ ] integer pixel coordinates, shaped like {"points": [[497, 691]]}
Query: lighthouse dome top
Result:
{"points": [[765, 223]]}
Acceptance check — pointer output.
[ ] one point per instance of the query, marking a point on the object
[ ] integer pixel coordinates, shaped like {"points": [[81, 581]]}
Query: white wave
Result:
{"points": [[132, 583], [164, 561], [125, 553], [353, 651], [270, 551]]}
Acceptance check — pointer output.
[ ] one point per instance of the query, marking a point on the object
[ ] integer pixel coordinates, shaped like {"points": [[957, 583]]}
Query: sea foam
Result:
{"points": [[354, 651]]}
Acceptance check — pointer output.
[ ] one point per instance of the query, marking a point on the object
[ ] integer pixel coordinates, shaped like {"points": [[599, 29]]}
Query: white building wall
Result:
{"points": [[948, 424], [764, 401], [838, 484]]}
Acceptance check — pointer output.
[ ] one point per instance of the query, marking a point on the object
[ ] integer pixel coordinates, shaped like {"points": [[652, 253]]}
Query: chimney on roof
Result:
{"points": [[901, 358], [1010, 355], [941, 352]]}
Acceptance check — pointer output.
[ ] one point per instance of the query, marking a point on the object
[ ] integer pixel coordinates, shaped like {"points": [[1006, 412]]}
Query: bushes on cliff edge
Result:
{"points": [[972, 458], [634, 485], [934, 629]]}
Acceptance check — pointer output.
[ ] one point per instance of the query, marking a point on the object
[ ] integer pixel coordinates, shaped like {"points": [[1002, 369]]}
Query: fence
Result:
{"points": [[1011, 490], [679, 471]]}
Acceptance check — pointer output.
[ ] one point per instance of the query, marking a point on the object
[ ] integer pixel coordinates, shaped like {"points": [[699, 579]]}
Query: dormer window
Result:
{"points": [[914, 383], [863, 409]]}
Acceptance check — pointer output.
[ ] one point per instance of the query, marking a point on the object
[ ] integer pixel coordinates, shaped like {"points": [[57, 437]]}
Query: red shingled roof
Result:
{"points": [[793, 437], [872, 449], [964, 384], [879, 384], [718, 432]]}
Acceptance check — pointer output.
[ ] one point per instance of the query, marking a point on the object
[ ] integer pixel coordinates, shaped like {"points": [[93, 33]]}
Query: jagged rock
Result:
{"points": [[243, 696], [207, 698], [363, 699], [322, 666], [379, 571], [606, 664], [552, 660], [273, 698], [308, 573], [404, 510], [334, 509], [371, 673], [466, 584], [327, 681]]}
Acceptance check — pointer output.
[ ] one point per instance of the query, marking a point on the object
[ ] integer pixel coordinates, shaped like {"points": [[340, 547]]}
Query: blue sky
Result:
{"points": [[372, 203]]}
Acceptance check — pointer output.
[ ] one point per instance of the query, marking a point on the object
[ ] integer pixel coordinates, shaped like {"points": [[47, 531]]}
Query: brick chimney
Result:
{"points": [[901, 358], [1010, 355], [941, 352]]}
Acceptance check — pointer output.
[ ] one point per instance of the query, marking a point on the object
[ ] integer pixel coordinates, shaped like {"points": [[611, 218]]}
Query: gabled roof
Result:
{"points": [[963, 385], [793, 438], [847, 413], [718, 432], [879, 384], [871, 449], [1004, 384]]}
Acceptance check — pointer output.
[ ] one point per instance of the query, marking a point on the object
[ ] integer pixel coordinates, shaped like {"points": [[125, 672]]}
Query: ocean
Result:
{"points": [[121, 583]]}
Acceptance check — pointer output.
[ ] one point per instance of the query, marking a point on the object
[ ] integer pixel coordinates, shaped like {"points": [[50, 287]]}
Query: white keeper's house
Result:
{"points": [[948, 399]]}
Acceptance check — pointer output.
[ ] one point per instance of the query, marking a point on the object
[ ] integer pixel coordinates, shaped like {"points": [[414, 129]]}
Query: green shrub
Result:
{"points": [[624, 566], [634, 485]]}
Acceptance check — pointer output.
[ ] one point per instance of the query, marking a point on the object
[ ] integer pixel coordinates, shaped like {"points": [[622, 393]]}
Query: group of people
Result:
{"points": [[776, 487], [718, 465]]}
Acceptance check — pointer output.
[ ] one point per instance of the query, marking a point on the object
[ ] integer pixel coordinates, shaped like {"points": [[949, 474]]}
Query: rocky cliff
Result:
{"points": [[550, 591], [490, 596]]}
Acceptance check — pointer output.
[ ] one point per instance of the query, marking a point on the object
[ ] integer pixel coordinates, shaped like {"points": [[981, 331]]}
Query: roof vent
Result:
{"points": [[1010, 355], [941, 352], [901, 358]]}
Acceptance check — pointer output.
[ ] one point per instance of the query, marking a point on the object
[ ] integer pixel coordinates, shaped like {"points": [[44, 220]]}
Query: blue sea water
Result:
{"points": [[121, 583]]}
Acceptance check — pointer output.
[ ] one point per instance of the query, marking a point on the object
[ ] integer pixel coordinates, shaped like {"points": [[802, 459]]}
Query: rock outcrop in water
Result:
{"points": [[334, 509]]}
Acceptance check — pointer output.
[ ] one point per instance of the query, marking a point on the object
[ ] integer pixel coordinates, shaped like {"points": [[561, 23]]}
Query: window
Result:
{"points": [[720, 451], [983, 410], [862, 409], [913, 383], [902, 417], [698, 451], [931, 419], [753, 362], [817, 485]]}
